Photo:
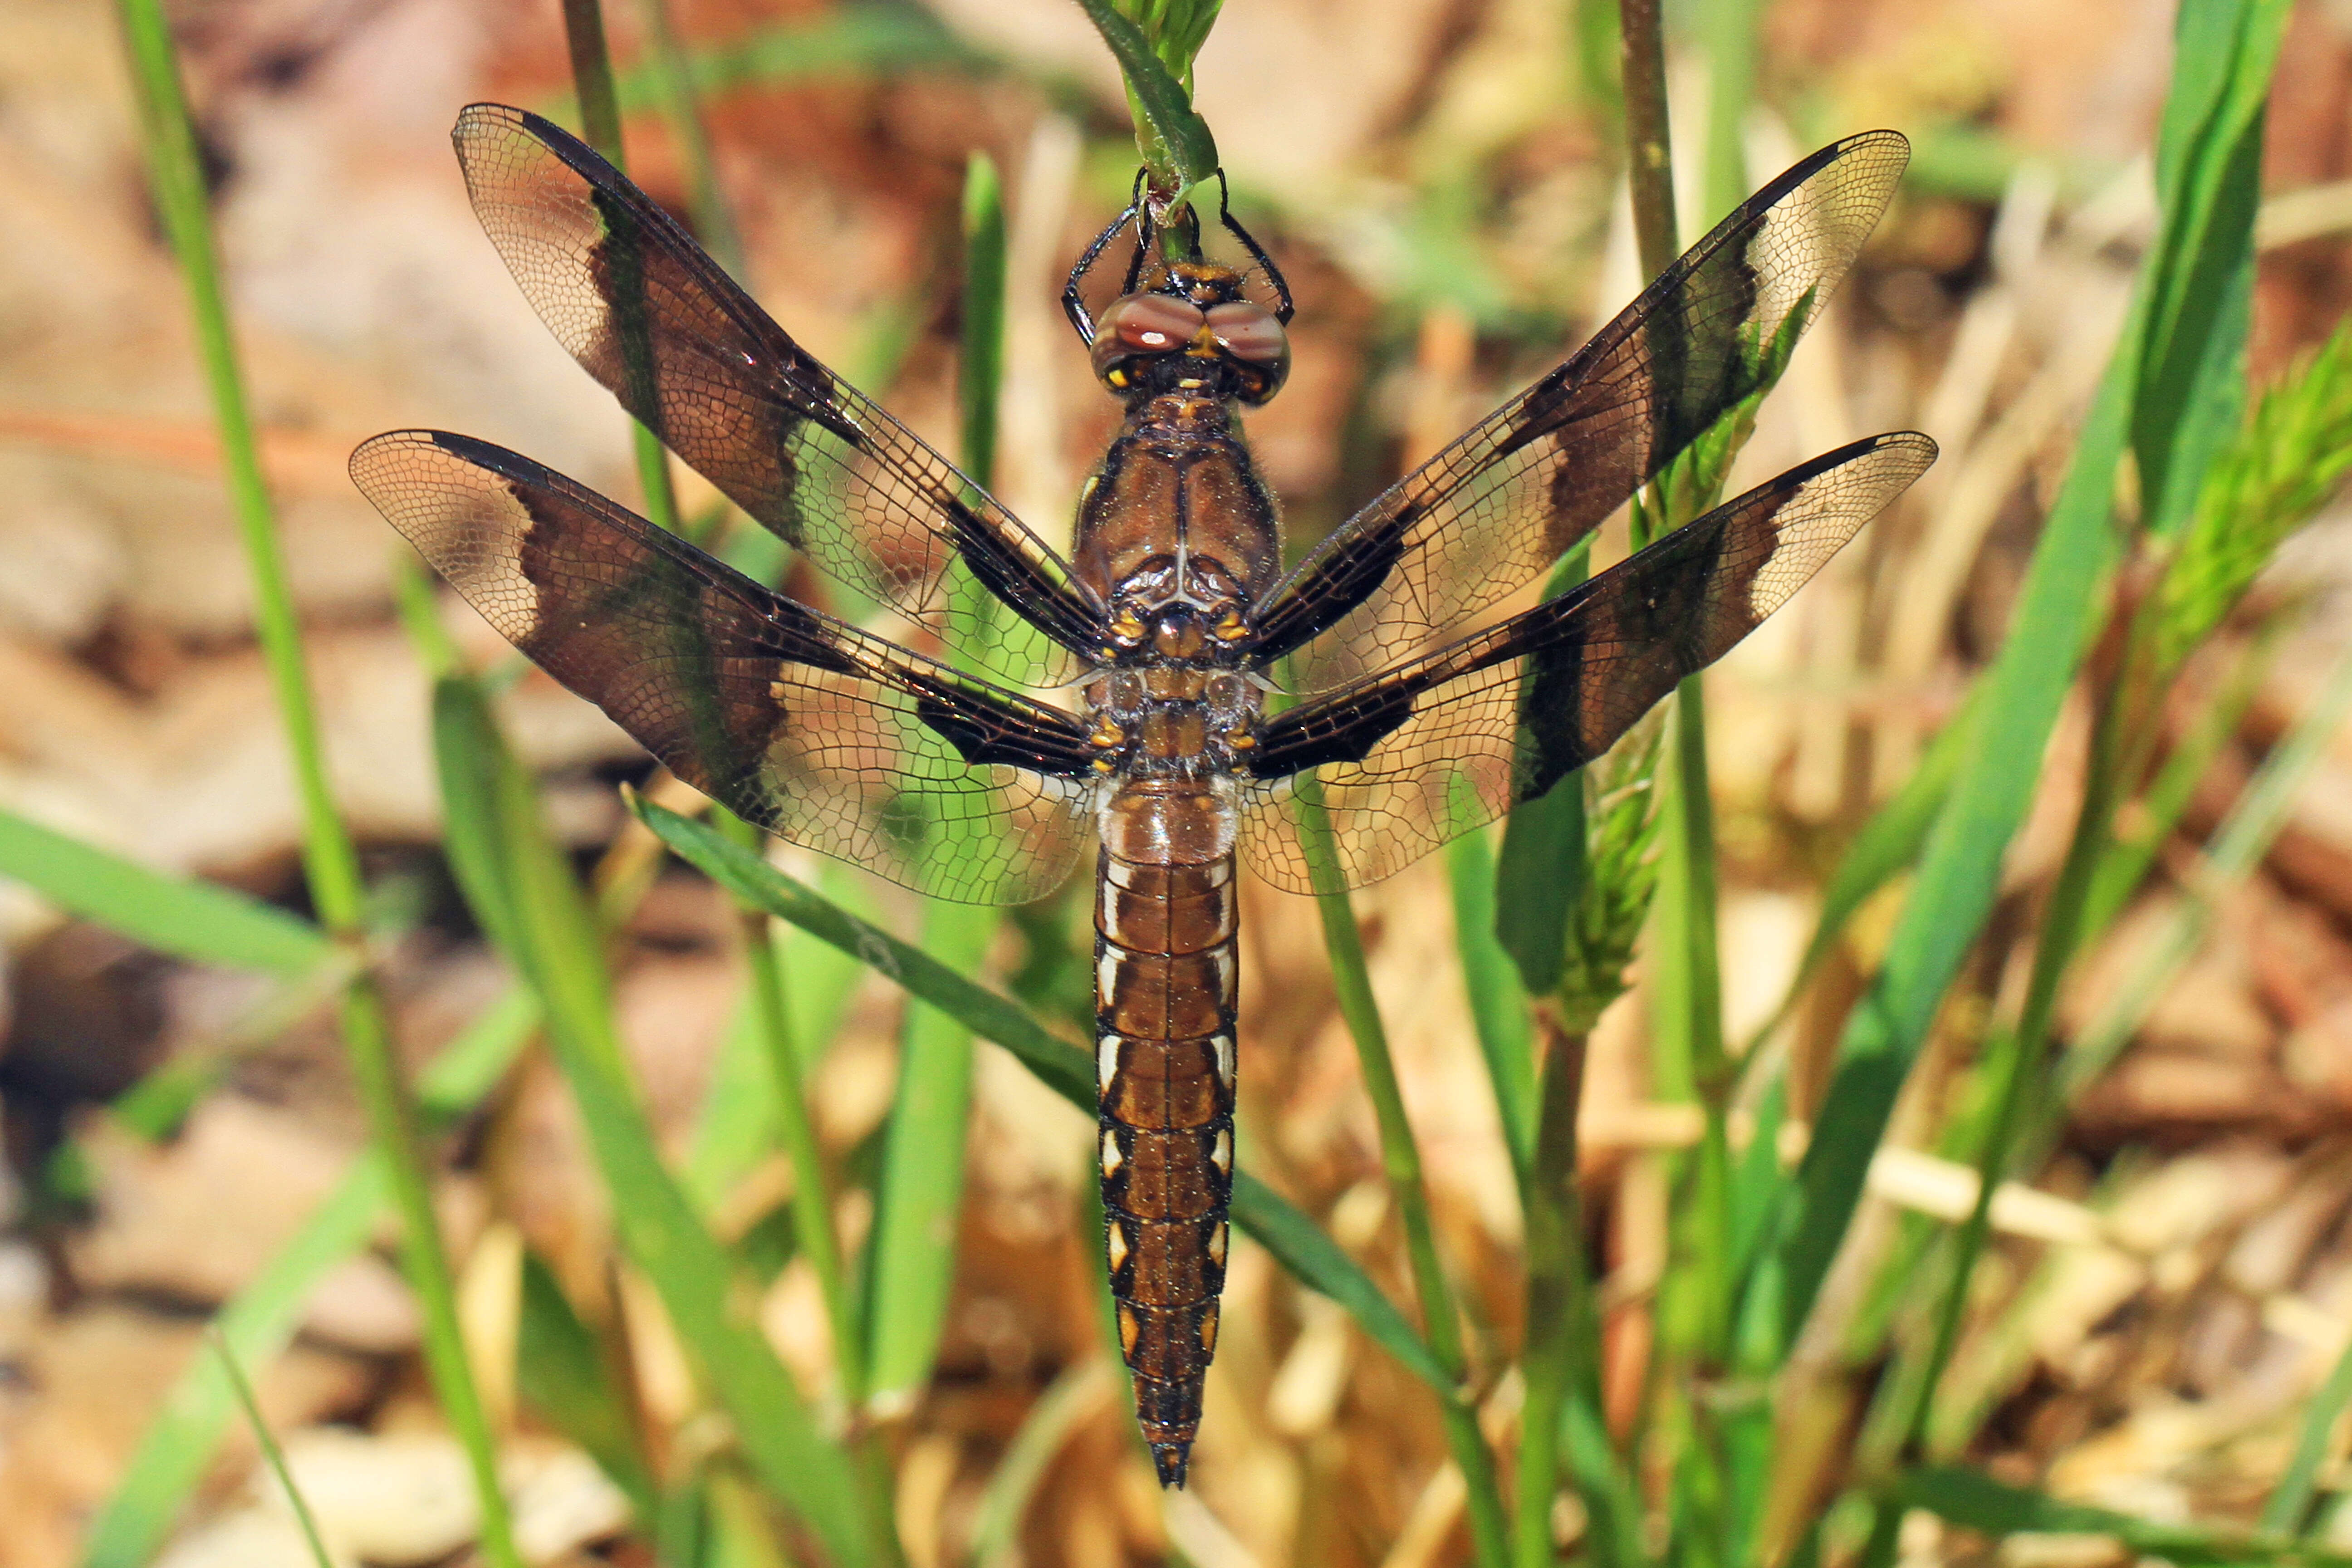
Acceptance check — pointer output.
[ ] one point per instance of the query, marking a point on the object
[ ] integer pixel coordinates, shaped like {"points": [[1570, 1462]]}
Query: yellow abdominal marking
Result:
{"points": [[1230, 629]]}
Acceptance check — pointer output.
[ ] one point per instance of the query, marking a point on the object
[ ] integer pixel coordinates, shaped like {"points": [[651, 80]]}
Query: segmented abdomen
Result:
{"points": [[1164, 1005]]}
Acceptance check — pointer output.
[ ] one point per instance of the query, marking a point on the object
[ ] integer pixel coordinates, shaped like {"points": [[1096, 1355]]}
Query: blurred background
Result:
{"points": [[1442, 182]]}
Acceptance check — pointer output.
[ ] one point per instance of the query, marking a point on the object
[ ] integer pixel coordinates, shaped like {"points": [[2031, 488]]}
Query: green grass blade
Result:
{"points": [[1498, 1002], [257, 1324], [1539, 882], [850, 40], [1975, 1501], [1960, 871], [331, 861], [1176, 143], [562, 1372], [920, 1199], [1889, 843], [270, 1451], [178, 1447], [2289, 1508], [1686, 970], [1400, 1163], [1312, 1257], [1081, 1390], [198, 921], [176, 171], [741, 1535], [739, 1118], [1541, 878], [2235, 849], [1728, 31], [980, 374], [1309, 1255], [812, 1186], [561, 955], [2208, 182]]}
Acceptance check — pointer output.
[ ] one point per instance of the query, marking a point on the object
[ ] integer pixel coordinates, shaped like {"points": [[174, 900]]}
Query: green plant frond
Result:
{"points": [[1620, 856], [2288, 459]]}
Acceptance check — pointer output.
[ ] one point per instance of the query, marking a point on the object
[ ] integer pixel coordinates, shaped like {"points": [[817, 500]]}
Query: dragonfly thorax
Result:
{"points": [[1183, 607], [1172, 719]]}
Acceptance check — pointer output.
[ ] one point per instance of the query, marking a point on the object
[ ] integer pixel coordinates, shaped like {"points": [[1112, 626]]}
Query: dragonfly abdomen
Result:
{"points": [[1165, 994]]}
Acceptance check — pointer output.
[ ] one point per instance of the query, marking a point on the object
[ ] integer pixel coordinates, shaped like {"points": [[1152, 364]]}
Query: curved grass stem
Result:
{"points": [[1401, 1162], [329, 858]]}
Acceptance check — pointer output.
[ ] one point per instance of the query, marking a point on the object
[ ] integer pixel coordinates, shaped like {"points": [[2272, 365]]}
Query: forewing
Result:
{"points": [[1407, 759], [1483, 517], [686, 351], [817, 731]]}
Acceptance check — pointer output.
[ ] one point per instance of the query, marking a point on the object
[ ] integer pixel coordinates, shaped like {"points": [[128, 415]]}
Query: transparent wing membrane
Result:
{"points": [[1407, 759], [819, 732], [1488, 513], [686, 351]]}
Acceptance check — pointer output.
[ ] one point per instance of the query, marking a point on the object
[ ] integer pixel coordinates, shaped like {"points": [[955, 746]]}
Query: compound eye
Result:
{"points": [[1141, 325], [1249, 333], [1247, 330]]}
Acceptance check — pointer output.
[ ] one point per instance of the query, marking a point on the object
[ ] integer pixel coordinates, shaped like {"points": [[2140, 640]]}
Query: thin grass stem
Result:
{"points": [[329, 858], [1343, 942], [600, 121], [1649, 147], [271, 1452], [2245, 835], [1558, 1296], [813, 1193], [672, 81]]}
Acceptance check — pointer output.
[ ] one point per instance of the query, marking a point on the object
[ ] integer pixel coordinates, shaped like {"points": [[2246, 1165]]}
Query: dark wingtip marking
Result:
{"points": [[1171, 1459]]}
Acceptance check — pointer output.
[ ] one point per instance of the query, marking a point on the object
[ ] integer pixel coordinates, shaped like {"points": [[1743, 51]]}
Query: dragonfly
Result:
{"points": [[1166, 697]]}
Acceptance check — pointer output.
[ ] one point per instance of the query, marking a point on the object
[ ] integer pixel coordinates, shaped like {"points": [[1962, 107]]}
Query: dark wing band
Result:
{"points": [[817, 731], [1483, 517], [1408, 760], [662, 326]]}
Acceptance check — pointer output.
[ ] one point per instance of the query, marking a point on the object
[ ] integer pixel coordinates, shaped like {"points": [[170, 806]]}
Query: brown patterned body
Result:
{"points": [[1177, 536], [1164, 1008]]}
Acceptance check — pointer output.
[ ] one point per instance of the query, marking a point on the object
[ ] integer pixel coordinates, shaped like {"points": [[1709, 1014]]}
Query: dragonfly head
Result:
{"points": [[1196, 326]]}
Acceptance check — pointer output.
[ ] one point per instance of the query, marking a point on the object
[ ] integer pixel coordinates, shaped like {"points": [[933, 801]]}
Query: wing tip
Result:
{"points": [[478, 117], [1917, 443], [1884, 136]]}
